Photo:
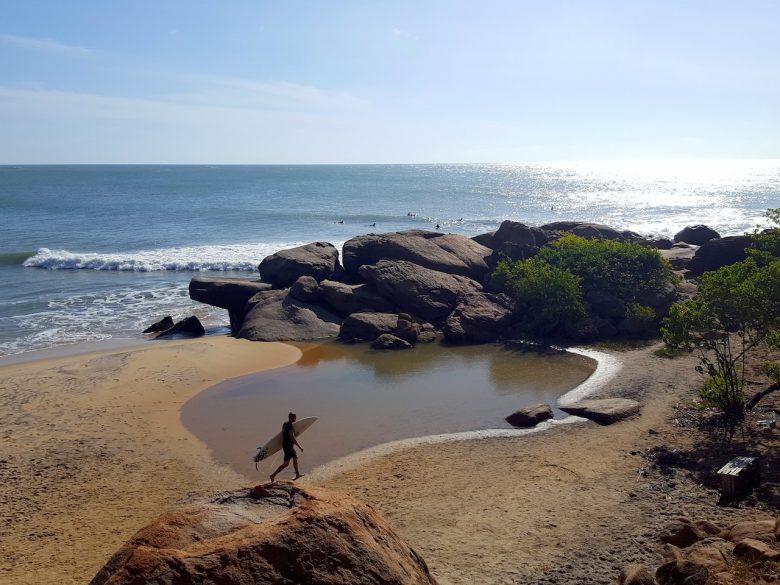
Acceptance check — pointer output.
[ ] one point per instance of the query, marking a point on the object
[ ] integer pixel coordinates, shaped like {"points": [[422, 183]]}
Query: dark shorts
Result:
{"points": [[290, 454]]}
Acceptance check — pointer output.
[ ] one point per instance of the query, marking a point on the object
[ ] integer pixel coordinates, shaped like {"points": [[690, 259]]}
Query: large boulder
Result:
{"points": [[367, 326], [485, 239], [449, 253], [275, 315], [227, 293], [604, 411], [589, 231], [696, 235], [273, 533], [162, 325], [756, 529], [518, 233], [283, 268], [427, 293], [721, 252], [353, 298], [530, 416], [479, 318], [756, 551]]}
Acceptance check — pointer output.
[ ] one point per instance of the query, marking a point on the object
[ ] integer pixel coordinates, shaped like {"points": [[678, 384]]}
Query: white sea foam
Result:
{"points": [[221, 258]]}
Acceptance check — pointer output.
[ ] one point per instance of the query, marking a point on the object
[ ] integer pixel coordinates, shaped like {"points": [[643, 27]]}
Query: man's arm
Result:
{"points": [[295, 439]]}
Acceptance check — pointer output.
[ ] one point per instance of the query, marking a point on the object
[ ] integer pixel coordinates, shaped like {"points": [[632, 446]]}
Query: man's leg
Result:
{"points": [[295, 466], [282, 466]]}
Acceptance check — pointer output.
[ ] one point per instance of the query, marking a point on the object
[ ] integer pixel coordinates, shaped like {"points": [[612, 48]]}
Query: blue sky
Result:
{"points": [[367, 81]]}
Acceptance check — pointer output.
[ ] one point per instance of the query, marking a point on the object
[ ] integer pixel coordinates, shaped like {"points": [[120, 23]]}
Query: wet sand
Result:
{"points": [[366, 398], [92, 448]]}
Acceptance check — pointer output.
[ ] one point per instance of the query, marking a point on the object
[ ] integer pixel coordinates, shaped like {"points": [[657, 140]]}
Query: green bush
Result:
{"points": [[625, 274], [547, 297], [772, 370], [639, 320]]}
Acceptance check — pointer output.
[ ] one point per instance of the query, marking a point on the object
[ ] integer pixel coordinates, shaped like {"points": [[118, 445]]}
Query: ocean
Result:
{"points": [[92, 253]]}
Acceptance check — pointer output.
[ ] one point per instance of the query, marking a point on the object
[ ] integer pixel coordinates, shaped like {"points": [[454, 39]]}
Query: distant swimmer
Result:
{"points": [[410, 214], [438, 227], [341, 221], [461, 219], [372, 224]]}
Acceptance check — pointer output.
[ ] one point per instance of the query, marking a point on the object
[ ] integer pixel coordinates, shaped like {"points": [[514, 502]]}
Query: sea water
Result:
{"points": [[89, 253]]}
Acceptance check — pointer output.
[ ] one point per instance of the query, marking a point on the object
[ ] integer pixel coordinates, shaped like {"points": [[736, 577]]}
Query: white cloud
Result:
{"points": [[43, 45]]}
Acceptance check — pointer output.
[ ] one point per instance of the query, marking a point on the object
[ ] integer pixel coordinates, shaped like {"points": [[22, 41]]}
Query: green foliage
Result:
{"points": [[624, 273], [738, 307], [546, 297], [639, 320], [772, 370], [766, 243]]}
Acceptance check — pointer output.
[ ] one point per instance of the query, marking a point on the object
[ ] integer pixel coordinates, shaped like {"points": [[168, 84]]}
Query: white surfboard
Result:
{"points": [[274, 445]]}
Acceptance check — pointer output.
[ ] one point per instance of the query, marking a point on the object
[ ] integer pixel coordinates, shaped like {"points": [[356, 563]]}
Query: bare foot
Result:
{"points": [[297, 475], [272, 478]]}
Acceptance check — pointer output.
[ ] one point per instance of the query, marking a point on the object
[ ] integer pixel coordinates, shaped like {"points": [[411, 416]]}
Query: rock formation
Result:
{"points": [[721, 252], [604, 411], [479, 318], [227, 293], [275, 315], [530, 416], [273, 533], [318, 260], [189, 327], [696, 235]]}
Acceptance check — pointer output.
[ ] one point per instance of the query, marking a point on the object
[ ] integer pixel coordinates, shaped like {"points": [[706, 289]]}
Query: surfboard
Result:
{"points": [[274, 445]]}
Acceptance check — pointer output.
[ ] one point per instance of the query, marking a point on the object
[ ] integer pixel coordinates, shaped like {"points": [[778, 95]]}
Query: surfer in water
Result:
{"points": [[289, 442]]}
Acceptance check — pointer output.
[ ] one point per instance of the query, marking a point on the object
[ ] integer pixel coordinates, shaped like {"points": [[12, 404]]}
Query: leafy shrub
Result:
{"points": [[772, 370], [639, 320], [546, 297]]}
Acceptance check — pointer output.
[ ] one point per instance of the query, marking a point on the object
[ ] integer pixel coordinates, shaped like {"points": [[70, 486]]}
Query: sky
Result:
{"points": [[262, 82]]}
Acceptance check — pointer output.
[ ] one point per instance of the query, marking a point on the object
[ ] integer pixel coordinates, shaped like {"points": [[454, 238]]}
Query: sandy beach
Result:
{"points": [[93, 448]]}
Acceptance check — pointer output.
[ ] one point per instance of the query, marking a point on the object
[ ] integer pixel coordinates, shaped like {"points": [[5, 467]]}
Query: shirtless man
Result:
{"points": [[289, 442]]}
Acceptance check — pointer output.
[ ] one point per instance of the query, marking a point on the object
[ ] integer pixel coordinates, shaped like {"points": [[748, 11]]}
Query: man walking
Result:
{"points": [[289, 442]]}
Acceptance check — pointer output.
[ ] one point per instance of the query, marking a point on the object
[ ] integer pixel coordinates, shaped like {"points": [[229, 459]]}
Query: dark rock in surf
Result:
{"points": [[189, 327], [281, 269], [696, 235], [162, 325], [275, 315], [427, 293], [448, 253]]}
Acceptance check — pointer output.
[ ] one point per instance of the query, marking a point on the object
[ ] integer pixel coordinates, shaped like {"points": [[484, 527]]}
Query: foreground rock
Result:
{"points": [[479, 318], [530, 416], [388, 341], [696, 235], [277, 533], [605, 411], [276, 315], [367, 326], [448, 253], [189, 327], [162, 325], [227, 293], [427, 293], [318, 260]]}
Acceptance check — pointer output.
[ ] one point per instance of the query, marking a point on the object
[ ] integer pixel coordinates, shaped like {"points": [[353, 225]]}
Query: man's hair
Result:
{"points": [[292, 415]]}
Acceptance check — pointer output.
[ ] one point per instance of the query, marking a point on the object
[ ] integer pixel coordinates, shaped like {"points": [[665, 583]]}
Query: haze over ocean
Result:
{"points": [[93, 252]]}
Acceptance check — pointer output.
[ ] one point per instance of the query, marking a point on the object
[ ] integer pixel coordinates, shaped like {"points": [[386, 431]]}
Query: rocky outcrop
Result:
{"points": [[635, 575], [756, 551], [388, 341], [448, 253], [189, 327], [479, 318], [273, 533], [367, 326], [679, 258], [518, 241], [485, 239], [427, 293], [530, 416], [318, 260], [353, 298], [721, 252], [604, 411], [276, 315], [227, 293], [696, 235], [682, 573], [162, 325], [589, 231]]}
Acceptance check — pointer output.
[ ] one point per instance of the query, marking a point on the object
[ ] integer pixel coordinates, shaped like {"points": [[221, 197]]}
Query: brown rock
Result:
{"points": [[714, 553], [162, 325], [696, 235], [189, 327], [227, 293], [530, 415], [635, 575], [388, 341], [448, 253], [353, 298], [756, 551], [682, 573], [585, 230], [479, 318], [681, 533], [275, 315], [755, 529], [318, 260], [407, 329], [428, 293], [716, 253], [278, 533], [679, 258], [306, 289], [604, 411], [367, 326]]}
